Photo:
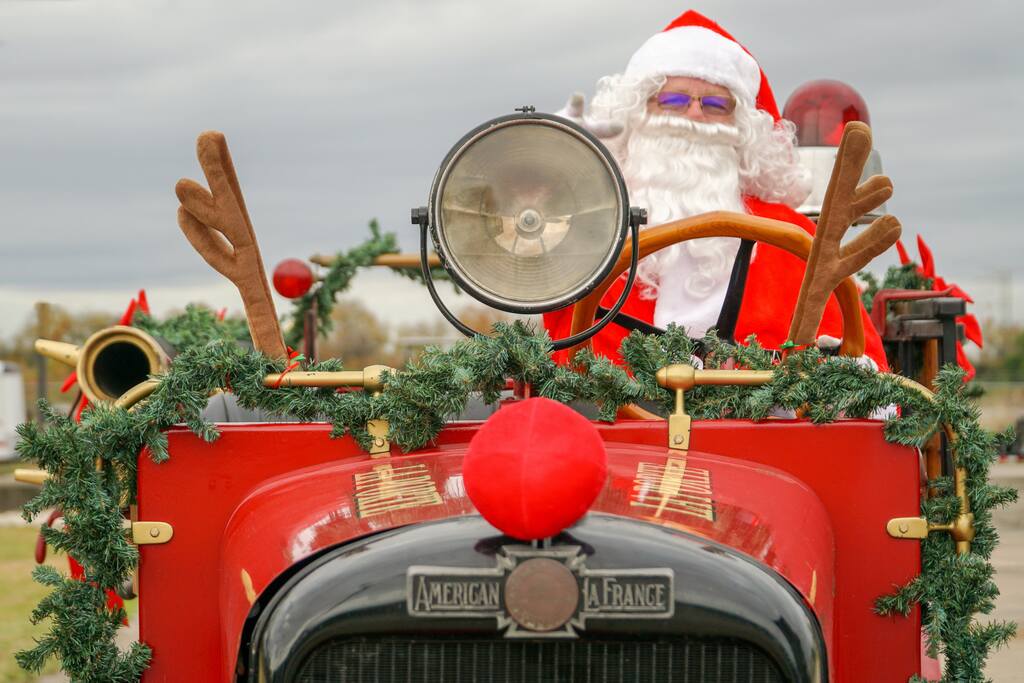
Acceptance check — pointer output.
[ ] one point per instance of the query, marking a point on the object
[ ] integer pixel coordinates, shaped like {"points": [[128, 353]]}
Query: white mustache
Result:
{"points": [[681, 126]]}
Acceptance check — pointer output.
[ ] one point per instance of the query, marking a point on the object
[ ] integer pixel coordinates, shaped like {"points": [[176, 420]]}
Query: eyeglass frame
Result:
{"points": [[699, 99]]}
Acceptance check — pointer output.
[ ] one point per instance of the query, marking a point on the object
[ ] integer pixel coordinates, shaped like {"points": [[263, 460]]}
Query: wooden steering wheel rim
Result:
{"points": [[722, 224]]}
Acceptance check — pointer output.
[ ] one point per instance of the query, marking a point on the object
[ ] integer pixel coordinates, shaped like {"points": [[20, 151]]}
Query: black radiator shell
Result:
{"points": [[359, 590]]}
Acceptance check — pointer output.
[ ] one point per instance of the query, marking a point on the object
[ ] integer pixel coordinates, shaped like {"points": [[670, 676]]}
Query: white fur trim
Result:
{"points": [[698, 52]]}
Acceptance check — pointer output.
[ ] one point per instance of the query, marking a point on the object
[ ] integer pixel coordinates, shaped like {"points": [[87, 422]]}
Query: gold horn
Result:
{"points": [[111, 361]]}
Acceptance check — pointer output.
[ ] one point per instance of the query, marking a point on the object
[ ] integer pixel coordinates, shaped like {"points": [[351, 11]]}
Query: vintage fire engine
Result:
{"points": [[721, 550]]}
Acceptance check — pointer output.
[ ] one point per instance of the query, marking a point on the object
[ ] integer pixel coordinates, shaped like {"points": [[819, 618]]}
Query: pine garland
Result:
{"points": [[419, 400], [896, 277], [337, 279], [195, 327]]}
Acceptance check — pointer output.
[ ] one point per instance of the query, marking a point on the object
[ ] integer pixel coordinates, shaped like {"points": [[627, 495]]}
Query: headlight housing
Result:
{"points": [[528, 214]]}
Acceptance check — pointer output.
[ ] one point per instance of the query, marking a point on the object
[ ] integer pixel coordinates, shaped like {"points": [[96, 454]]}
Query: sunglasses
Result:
{"points": [[712, 105]]}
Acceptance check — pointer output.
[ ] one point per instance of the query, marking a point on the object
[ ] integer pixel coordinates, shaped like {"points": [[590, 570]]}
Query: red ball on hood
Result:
{"points": [[534, 468]]}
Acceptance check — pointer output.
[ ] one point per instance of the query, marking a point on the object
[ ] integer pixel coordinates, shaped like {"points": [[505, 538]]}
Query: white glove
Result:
{"points": [[601, 128], [830, 345]]}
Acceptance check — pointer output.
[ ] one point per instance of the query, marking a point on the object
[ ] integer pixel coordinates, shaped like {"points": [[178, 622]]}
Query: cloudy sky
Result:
{"points": [[337, 112]]}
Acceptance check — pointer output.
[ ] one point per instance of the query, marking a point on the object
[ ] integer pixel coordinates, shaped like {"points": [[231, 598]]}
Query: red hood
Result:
{"points": [[248, 507]]}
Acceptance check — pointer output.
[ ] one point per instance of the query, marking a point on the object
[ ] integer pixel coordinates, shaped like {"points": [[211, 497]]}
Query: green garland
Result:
{"points": [[896, 277], [419, 400], [337, 278], [198, 325], [335, 281]]}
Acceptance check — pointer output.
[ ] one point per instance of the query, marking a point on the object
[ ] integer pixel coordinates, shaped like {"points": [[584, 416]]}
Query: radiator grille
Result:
{"points": [[392, 660]]}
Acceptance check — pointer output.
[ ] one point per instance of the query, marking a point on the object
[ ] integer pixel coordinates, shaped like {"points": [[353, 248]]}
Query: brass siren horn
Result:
{"points": [[111, 361]]}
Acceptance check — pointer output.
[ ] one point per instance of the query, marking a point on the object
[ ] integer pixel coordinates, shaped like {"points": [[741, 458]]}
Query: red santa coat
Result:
{"points": [[772, 287]]}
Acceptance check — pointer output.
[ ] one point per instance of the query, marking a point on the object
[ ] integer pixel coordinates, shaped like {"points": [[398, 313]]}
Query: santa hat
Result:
{"points": [[697, 47]]}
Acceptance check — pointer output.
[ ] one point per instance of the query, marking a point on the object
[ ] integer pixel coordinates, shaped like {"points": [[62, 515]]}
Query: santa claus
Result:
{"points": [[695, 128]]}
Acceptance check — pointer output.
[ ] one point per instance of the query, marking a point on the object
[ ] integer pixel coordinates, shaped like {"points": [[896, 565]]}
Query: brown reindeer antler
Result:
{"points": [[218, 226], [845, 201]]}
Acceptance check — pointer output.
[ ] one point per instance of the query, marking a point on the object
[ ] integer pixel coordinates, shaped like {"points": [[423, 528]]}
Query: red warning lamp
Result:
{"points": [[292, 278], [820, 110]]}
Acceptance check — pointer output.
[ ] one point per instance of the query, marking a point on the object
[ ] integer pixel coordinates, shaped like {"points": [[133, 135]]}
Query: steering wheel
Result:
{"points": [[722, 224]]}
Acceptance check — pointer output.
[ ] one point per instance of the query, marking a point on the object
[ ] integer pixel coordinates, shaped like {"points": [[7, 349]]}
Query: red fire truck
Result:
{"points": [[713, 550]]}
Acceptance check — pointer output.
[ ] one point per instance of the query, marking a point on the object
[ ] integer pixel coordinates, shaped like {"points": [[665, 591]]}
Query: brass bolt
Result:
{"points": [[678, 438], [154, 531]]}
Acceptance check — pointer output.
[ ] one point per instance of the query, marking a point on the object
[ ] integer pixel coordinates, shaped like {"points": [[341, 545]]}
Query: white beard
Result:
{"points": [[677, 168]]}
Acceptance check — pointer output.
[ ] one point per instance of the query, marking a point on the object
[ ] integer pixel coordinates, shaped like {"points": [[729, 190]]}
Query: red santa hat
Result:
{"points": [[697, 47]]}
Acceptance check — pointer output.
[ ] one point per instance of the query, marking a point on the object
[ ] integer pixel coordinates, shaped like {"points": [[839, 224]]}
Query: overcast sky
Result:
{"points": [[336, 112]]}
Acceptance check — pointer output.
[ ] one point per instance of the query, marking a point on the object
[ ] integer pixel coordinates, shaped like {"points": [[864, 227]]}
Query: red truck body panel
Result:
{"points": [[811, 502]]}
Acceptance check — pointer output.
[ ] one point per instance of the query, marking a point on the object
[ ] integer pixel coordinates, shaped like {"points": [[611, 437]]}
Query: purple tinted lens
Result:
{"points": [[674, 100], [716, 104]]}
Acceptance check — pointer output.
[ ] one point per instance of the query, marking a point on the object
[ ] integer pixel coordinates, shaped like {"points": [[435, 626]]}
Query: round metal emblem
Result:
{"points": [[541, 594]]}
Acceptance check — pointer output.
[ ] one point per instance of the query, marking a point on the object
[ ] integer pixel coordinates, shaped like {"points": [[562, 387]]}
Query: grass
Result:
{"points": [[19, 595]]}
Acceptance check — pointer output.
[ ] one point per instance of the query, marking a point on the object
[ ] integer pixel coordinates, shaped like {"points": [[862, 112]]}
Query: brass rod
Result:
{"points": [[733, 377], [368, 378], [388, 260], [345, 378], [685, 376], [58, 351], [31, 476]]}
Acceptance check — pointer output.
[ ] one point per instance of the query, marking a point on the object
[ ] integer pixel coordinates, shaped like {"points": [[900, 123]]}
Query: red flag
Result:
{"points": [[129, 313], [143, 303], [961, 360], [972, 329], [927, 260], [904, 256], [71, 381]]}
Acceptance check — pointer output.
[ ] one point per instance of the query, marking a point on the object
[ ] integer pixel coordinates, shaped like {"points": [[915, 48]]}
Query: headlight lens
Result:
{"points": [[529, 213]]}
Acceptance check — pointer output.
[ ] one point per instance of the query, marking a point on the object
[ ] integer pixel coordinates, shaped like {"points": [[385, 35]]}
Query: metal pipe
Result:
{"points": [[388, 260]]}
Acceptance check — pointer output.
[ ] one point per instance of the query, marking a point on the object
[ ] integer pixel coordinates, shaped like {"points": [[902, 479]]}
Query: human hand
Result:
{"points": [[601, 128]]}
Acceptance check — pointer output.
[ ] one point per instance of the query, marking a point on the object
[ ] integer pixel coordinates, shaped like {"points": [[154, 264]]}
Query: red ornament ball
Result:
{"points": [[534, 468], [292, 278]]}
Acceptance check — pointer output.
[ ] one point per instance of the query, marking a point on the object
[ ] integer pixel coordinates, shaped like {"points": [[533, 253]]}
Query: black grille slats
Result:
{"points": [[403, 660]]}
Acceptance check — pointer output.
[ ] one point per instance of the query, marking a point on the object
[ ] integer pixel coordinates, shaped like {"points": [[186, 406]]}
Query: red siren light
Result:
{"points": [[534, 468], [821, 109], [292, 278]]}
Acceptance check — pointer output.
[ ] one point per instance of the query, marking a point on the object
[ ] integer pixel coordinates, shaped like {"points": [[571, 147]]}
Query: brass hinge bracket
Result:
{"points": [[369, 378], [380, 446], [679, 425], [151, 533], [378, 429], [961, 528], [681, 376]]}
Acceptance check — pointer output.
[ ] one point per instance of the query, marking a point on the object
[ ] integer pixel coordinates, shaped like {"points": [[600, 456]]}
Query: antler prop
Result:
{"points": [[845, 201], [216, 223]]}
